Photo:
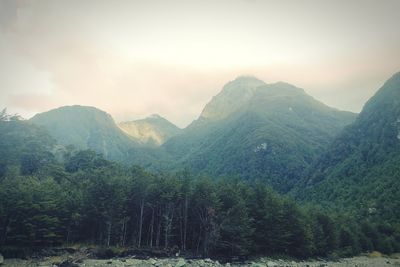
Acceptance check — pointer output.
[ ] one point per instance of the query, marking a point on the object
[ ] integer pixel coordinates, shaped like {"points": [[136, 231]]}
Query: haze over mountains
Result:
{"points": [[251, 129]]}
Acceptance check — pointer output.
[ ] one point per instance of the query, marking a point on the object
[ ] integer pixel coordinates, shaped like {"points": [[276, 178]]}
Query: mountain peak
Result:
{"points": [[154, 116], [239, 92], [246, 79], [85, 127], [232, 97], [153, 130], [243, 83]]}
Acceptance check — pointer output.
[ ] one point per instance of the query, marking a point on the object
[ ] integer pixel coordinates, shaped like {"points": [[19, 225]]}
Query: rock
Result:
{"points": [[180, 263], [208, 260], [103, 253], [68, 263], [153, 262], [1, 259], [375, 254], [256, 264], [200, 263]]}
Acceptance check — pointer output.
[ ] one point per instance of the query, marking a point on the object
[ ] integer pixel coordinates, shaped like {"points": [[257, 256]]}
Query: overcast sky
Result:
{"points": [[135, 58]]}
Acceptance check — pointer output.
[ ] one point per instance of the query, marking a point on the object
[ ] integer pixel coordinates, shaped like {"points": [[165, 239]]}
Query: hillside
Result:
{"points": [[24, 148], [361, 168], [86, 128], [256, 130], [153, 130]]}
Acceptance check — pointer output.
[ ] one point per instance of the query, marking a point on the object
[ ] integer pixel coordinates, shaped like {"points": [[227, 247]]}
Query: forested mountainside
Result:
{"points": [[361, 168], [72, 196], [255, 130], [86, 128]]}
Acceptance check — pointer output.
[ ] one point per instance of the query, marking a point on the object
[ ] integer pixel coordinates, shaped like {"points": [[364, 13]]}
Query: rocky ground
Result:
{"points": [[68, 261]]}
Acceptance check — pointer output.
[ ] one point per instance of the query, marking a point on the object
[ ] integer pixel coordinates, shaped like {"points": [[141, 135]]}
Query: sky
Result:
{"points": [[136, 58]]}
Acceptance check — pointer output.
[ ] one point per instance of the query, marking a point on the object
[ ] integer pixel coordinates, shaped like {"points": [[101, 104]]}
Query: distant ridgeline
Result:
{"points": [[66, 176]]}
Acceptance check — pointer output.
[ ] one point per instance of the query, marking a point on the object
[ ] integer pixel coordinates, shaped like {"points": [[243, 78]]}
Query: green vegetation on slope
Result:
{"points": [[360, 171], [274, 132]]}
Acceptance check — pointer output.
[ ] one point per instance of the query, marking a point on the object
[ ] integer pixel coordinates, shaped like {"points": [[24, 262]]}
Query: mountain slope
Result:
{"points": [[258, 130], [24, 146], [362, 166], [86, 127], [153, 130]]}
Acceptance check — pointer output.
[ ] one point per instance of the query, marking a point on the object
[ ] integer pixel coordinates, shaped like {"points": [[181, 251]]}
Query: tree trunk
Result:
{"points": [[152, 228], [158, 230], [185, 215], [5, 231], [141, 222], [169, 216], [109, 233]]}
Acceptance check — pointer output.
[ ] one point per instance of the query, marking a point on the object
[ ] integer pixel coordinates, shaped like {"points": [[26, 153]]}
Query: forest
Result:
{"points": [[52, 196]]}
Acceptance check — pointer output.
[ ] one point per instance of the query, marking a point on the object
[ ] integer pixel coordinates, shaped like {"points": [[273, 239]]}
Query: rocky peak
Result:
{"points": [[153, 130], [233, 96]]}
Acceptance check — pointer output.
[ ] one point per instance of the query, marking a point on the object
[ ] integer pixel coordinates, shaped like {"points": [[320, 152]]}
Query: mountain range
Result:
{"points": [[273, 132], [342, 168]]}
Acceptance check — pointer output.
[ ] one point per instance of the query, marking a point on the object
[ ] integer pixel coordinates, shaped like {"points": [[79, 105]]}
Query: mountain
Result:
{"points": [[153, 130], [86, 128], [361, 168], [256, 130]]}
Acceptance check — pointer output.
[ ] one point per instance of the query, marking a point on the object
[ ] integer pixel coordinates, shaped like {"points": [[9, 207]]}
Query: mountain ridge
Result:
{"points": [[361, 165]]}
